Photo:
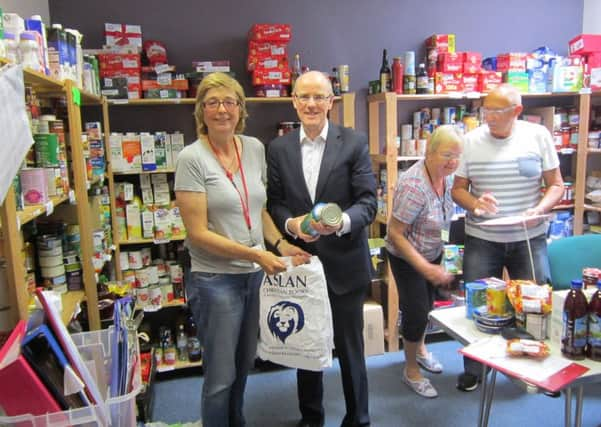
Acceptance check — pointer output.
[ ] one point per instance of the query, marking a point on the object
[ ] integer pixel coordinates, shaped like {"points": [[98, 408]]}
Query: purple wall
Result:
{"points": [[327, 33]]}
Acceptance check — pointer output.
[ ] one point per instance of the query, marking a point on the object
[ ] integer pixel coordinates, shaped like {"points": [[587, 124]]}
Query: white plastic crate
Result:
{"points": [[121, 409]]}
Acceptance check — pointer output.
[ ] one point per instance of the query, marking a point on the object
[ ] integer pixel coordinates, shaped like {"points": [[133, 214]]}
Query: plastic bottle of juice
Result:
{"points": [[575, 323], [594, 325]]}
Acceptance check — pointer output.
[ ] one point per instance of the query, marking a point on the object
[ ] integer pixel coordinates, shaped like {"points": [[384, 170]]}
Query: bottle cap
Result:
{"points": [[577, 284]]}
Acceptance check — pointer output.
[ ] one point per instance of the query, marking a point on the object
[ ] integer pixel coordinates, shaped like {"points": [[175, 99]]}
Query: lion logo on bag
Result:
{"points": [[284, 319]]}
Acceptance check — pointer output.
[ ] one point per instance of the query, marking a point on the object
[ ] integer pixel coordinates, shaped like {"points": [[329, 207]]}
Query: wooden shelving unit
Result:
{"points": [[12, 220], [582, 156]]}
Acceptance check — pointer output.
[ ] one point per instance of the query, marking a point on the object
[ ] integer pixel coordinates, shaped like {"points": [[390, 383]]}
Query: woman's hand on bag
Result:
{"points": [[438, 276], [271, 263], [288, 249]]}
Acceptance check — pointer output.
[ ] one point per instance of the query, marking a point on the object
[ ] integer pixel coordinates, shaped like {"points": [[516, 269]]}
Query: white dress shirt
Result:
{"points": [[311, 155]]}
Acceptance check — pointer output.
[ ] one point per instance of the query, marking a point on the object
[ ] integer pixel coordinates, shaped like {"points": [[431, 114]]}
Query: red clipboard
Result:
{"points": [[554, 382]]}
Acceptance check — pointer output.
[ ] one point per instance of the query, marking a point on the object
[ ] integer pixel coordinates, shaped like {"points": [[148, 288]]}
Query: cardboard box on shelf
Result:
{"points": [[373, 328], [585, 43]]}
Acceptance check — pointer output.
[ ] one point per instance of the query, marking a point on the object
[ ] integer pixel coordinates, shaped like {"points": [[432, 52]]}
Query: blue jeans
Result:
{"points": [[483, 258], [226, 310]]}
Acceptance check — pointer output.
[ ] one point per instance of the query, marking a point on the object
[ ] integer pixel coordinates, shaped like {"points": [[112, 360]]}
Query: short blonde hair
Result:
{"points": [[212, 81], [441, 134]]}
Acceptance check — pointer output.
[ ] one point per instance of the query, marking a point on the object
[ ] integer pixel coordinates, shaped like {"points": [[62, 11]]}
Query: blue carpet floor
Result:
{"points": [[271, 398]]}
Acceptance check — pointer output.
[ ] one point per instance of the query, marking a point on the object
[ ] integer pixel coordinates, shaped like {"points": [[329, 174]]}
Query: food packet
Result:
{"points": [[530, 348], [528, 297]]}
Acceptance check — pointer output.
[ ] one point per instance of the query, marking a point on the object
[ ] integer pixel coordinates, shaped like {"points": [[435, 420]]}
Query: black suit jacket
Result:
{"points": [[345, 178]]}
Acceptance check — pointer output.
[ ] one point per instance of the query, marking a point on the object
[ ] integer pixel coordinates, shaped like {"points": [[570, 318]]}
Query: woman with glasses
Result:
{"points": [[417, 230], [220, 190]]}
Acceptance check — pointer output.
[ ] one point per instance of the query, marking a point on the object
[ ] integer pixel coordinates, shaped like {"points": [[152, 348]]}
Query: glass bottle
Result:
{"points": [[575, 322], [182, 343], [335, 81], [194, 348], [296, 69], [385, 73], [594, 325], [397, 75], [422, 80]]}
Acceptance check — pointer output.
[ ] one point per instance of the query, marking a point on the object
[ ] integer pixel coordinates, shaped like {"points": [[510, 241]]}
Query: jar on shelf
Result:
{"points": [[568, 193], [557, 139], [593, 139], [574, 137], [573, 117], [565, 137], [12, 48], [30, 50]]}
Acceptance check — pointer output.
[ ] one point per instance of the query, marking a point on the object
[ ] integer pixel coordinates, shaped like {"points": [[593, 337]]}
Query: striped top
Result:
{"points": [[416, 204], [511, 169]]}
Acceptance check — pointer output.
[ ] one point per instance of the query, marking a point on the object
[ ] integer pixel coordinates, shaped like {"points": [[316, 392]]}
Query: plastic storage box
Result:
{"points": [[121, 410]]}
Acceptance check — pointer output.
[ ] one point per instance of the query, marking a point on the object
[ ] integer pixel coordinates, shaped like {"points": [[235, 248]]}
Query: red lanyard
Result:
{"points": [[243, 200]]}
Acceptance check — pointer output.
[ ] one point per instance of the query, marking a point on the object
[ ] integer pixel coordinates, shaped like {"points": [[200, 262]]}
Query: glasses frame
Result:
{"points": [[317, 99], [220, 102], [498, 111]]}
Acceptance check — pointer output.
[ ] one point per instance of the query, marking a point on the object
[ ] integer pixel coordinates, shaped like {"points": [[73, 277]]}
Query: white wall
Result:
{"points": [[26, 8], [591, 20]]}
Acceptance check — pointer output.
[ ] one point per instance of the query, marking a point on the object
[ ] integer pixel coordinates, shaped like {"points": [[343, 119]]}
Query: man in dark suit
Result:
{"points": [[323, 162]]}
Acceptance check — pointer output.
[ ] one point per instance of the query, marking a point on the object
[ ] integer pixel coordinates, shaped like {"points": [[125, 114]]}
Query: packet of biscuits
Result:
{"points": [[528, 297], [529, 348]]}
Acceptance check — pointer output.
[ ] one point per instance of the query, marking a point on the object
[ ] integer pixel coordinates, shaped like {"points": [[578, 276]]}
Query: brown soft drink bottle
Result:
{"points": [[575, 323], [594, 325]]}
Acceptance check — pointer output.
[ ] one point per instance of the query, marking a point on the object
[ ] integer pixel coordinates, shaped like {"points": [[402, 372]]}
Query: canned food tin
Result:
{"points": [[124, 260], [70, 257], [143, 277], [98, 240], [49, 242], [344, 77], [146, 256], [129, 276], [135, 260], [161, 266], [167, 292], [50, 261], [53, 271], [155, 296], [496, 300], [406, 132], [46, 150], [448, 115], [34, 186], [153, 274], [74, 279], [408, 147], [142, 296], [475, 296], [326, 213], [176, 272]]}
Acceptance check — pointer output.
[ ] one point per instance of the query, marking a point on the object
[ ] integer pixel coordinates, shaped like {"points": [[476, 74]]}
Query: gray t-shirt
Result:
{"points": [[198, 170]]}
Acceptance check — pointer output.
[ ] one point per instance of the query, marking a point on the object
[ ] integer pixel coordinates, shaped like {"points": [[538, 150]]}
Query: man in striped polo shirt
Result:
{"points": [[503, 165]]}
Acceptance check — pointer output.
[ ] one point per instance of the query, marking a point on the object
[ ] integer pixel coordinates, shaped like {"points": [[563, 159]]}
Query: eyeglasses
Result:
{"points": [[497, 111], [317, 99], [448, 157], [213, 104]]}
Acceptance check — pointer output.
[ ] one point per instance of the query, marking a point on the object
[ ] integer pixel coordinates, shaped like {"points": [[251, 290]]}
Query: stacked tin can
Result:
{"points": [[50, 258], [156, 281]]}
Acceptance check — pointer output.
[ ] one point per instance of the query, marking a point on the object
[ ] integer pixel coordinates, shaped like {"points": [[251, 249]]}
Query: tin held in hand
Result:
{"points": [[326, 213]]}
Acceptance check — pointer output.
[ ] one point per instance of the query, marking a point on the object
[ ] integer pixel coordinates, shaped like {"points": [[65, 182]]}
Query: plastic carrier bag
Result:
{"points": [[295, 318]]}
